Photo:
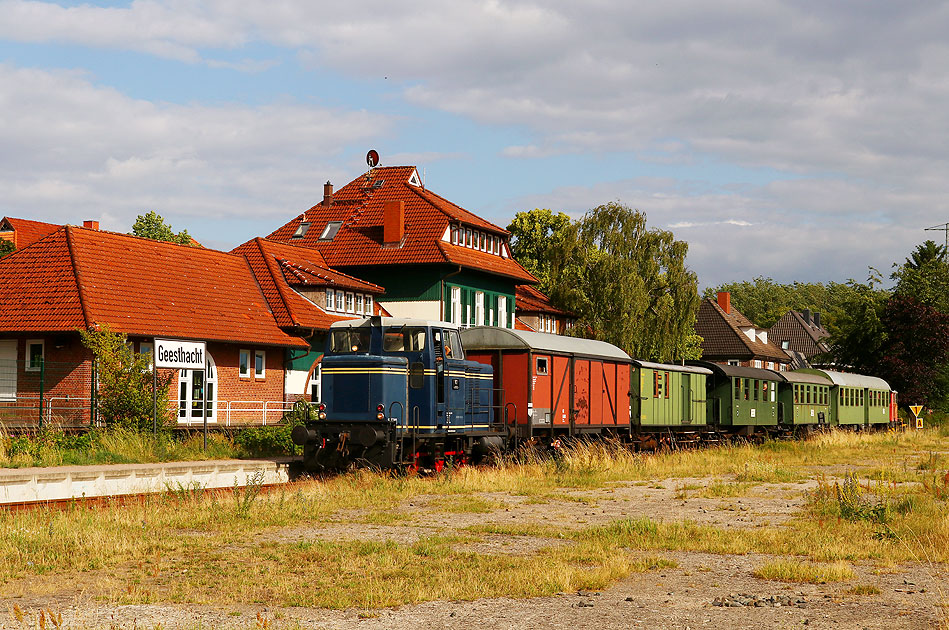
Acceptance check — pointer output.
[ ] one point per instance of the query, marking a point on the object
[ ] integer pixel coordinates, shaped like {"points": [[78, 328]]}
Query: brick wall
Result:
{"points": [[65, 382], [231, 387]]}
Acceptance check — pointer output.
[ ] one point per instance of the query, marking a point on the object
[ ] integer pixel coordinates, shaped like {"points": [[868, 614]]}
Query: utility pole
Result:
{"points": [[942, 227]]}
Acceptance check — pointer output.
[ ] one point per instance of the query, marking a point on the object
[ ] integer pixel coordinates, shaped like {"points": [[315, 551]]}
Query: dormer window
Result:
{"points": [[301, 229], [474, 239], [329, 232]]}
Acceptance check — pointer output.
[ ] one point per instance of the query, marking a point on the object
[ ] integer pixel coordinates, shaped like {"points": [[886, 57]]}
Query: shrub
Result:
{"points": [[124, 397]]}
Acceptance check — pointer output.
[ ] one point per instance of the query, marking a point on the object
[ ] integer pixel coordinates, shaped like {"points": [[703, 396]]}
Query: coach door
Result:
{"points": [[686, 379]]}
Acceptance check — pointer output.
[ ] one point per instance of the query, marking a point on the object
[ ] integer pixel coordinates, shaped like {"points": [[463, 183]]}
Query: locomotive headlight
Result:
{"points": [[380, 416], [322, 415]]}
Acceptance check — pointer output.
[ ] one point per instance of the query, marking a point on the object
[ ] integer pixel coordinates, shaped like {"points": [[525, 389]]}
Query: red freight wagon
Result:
{"points": [[547, 385]]}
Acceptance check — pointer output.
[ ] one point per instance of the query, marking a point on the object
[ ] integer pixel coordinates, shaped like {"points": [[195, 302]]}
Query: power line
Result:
{"points": [[942, 227]]}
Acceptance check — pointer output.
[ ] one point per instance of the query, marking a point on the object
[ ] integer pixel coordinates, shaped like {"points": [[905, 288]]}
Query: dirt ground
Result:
{"points": [[686, 596]]}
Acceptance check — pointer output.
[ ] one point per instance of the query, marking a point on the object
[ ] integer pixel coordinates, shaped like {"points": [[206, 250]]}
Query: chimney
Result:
{"points": [[817, 319], [806, 314], [327, 193], [393, 217], [725, 301], [92, 225]]}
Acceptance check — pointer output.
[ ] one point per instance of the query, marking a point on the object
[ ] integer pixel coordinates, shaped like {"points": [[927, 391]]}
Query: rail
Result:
{"points": [[266, 407]]}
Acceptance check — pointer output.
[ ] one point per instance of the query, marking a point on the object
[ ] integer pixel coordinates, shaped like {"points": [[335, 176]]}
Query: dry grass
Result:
{"points": [[796, 571], [179, 546]]}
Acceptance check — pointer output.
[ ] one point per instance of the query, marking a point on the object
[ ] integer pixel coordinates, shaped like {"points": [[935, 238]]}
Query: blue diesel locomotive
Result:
{"points": [[399, 392]]}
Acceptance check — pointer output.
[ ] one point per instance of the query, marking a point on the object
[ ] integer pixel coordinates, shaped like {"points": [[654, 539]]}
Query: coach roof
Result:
{"points": [[494, 338]]}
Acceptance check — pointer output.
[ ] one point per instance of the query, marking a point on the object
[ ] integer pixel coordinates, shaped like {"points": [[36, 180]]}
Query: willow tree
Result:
{"points": [[629, 285]]}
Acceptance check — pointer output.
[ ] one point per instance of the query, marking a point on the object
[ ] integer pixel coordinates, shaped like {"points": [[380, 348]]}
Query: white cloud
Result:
{"points": [[73, 151], [844, 101]]}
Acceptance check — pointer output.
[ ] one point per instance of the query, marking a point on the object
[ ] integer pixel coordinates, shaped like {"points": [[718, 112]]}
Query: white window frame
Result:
{"points": [[479, 308], [360, 299], [734, 362], [455, 314], [368, 306], [758, 363], [8, 369], [262, 354], [350, 303], [502, 311], [241, 354], [29, 359], [185, 378], [467, 237], [330, 300], [340, 302]]}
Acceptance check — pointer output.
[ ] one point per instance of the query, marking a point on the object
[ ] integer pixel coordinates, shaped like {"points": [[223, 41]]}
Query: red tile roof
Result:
{"points": [[723, 338], [359, 242], [38, 288], [279, 267], [82, 278], [530, 300], [519, 325], [26, 232]]}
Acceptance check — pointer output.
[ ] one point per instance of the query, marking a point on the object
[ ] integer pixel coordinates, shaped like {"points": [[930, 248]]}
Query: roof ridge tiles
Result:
{"points": [[77, 276]]}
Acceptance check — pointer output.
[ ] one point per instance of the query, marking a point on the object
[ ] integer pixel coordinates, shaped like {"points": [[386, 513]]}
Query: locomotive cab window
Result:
{"points": [[349, 340], [541, 365], [403, 340], [453, 342]]}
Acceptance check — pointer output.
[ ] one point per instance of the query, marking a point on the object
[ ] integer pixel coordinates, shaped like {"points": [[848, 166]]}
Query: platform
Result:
{"points": [[24, 486]]}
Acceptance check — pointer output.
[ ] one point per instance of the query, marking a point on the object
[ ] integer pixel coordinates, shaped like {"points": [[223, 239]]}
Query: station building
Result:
{"points": [[251, 308]]}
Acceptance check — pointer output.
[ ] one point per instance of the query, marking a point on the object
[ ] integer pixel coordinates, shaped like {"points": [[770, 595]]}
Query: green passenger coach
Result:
{"points": [[668, 395], [855, 399], [741, 397], [804, 398]]}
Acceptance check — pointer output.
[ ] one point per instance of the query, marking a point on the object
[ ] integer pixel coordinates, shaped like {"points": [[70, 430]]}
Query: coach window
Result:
{"points": [[656, 388], [737, 386], [748, 389], [34, 354], [755, 389], [541, 365]]}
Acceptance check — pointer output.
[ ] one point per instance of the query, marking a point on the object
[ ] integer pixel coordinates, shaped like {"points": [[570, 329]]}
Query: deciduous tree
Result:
{"points": [[152, 225], [533, 236], [629, 285]]}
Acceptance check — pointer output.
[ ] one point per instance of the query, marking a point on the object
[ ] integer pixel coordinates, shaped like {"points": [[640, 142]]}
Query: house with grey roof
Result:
{"points": [[800, 334], [730, 338]]}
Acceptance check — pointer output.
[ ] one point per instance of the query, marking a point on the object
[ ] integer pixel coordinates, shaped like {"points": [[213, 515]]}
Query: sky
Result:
{"points": [[797, 140]]}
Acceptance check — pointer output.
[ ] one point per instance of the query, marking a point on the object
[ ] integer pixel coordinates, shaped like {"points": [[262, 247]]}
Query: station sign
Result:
{"points": [[185, 355]]}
